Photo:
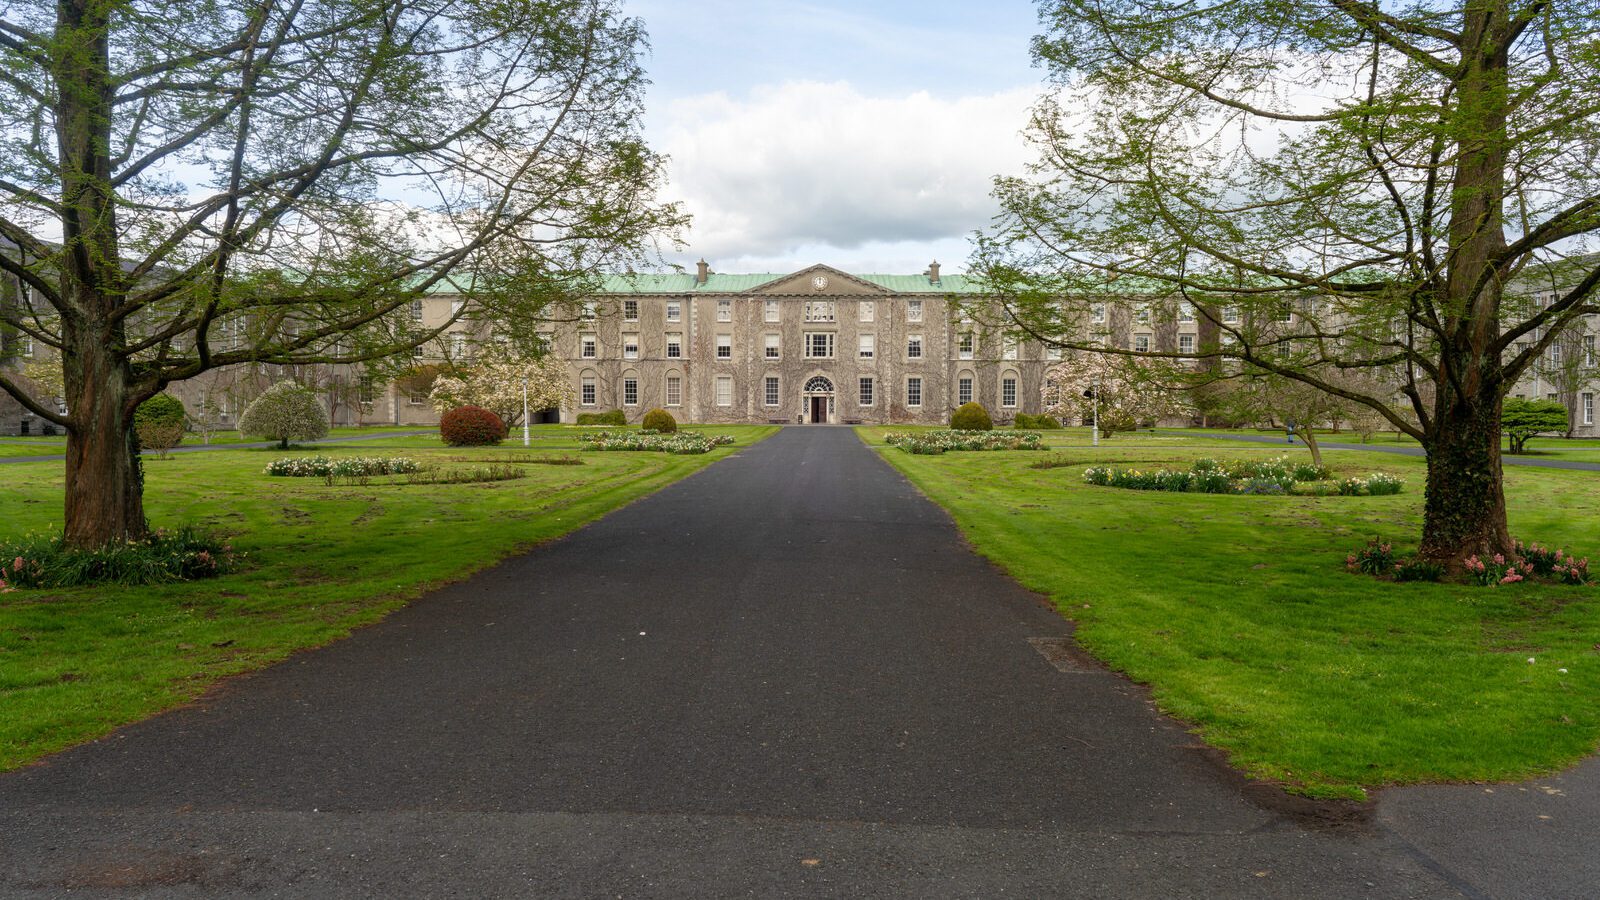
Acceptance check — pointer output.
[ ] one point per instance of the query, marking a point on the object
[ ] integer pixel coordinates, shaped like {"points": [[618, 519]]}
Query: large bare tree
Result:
{"points": [[191, 185], [1333, 185]]}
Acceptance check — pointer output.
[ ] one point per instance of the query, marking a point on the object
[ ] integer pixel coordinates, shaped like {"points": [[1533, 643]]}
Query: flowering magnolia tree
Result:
{"points": [[495, 384], [285, 412], [1130, 392]]}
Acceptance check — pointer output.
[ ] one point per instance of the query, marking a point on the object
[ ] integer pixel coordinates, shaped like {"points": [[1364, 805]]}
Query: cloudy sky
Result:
{"points": [[863, 135]]}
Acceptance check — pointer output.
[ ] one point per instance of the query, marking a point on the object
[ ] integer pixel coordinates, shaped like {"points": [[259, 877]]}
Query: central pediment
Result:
{"points": [[820, 281]]}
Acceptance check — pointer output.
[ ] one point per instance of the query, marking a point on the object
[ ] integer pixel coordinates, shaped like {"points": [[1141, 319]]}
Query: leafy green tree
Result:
{"points": [[236, 182], [1325, 188], [1522, 419], [285, 412]]}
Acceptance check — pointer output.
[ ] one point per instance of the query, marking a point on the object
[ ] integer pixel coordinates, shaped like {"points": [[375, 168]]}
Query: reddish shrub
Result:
{"points": [[471, 426]]}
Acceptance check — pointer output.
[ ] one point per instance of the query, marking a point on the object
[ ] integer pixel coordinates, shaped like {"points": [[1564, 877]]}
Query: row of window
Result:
{"points": [[817, 345], [1231, 315], [866, 385], [813, 310]]}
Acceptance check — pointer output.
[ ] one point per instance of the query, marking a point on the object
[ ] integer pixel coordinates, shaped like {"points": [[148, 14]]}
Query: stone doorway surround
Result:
{"points": [[818, 393]]}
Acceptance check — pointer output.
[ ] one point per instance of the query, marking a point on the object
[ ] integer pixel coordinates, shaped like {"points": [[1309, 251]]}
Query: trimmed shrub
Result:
{"points": [[285, 412], [1048, 423], [162, 409], [971, 417], [471, 426], [1023, 420], [610, 417], [660, 421]]}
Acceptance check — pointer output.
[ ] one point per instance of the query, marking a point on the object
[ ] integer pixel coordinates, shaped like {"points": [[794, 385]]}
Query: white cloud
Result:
{"points": [[809, 172]]}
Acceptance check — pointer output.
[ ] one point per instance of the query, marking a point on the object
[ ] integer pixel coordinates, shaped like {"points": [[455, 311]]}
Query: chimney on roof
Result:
{"points": [[933, 272], [701, 271]]}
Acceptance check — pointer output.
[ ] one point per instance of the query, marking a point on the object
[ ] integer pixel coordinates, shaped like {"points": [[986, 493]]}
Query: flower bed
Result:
{"points": [[1531, 563], [1273, 476], [1534, 563], [936, 442], [682, 442], [162, 558], [343, 467]]}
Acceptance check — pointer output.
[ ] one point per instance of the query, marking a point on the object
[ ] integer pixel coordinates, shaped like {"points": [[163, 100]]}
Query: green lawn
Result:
{"points": [[1579, 449], [320, 561], [29, 446], [55, 445], [1238, 614]]}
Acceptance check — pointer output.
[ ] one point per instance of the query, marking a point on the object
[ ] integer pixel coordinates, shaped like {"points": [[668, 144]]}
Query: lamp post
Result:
{"points": [[1094, 394], [524, 409]]}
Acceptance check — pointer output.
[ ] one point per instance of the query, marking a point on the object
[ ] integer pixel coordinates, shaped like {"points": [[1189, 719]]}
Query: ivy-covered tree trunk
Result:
{"points": [[104, 490], [1464, 510], [104, 483]]}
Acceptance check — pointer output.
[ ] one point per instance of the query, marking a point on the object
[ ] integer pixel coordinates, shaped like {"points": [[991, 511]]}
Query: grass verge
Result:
{"points": [[320, 561], [1237, 613]]}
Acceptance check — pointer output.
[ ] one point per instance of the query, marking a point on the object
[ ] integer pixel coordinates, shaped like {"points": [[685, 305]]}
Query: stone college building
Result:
{"points": [[818, 346]]}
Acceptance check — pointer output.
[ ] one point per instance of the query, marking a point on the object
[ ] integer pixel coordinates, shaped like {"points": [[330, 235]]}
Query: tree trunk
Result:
{"points": [[1464, 511], [105, 482], [1309, 435]]}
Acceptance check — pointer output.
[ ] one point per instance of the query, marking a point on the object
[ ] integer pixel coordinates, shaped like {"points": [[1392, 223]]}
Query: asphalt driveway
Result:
{"points": [[784, 675]]}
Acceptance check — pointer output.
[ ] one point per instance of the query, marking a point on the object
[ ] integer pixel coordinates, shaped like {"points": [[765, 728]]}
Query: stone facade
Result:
{"points": [[812, 347]]}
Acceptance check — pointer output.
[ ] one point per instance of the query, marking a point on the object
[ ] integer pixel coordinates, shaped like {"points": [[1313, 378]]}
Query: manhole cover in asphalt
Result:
{"points": [[1060, 652]]}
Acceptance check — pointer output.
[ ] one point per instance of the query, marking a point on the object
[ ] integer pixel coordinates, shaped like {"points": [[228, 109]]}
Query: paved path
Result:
{"points": [[1506, 458], [205, 448], [785, 675]]}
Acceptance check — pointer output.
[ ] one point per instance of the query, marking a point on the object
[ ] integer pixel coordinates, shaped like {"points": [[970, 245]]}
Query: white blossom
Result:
{"points": [[495, 383]]}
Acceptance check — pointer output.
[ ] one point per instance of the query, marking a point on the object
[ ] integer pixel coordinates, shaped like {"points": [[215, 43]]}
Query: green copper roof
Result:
{"points": [[719, 283], [669, 283], [918, 284]]}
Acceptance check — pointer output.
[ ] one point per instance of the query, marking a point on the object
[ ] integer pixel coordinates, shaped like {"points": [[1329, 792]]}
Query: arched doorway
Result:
{"points": [[817, 400]]}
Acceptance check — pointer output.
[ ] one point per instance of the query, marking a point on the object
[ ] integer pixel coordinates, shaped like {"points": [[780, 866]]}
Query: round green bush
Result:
{"points": [[162, 409], [1023, 420], [971, 417], [1047, 422], [471, 426], [660, 420]]}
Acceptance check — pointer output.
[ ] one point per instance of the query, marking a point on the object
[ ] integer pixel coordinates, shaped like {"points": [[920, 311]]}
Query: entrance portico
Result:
{"points": [[817, 401]]}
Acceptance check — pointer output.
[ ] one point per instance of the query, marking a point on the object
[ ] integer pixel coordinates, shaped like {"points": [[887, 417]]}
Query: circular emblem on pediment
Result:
{"points": [[819, 283]]}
